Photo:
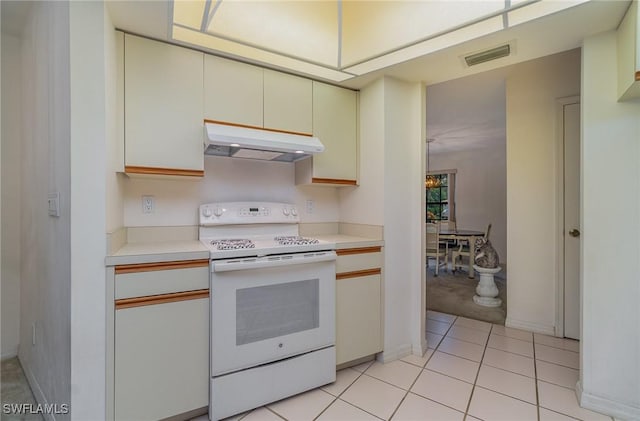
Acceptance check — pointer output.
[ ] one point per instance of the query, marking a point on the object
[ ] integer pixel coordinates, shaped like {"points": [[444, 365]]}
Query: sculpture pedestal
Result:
{"points": [[487, 291]]}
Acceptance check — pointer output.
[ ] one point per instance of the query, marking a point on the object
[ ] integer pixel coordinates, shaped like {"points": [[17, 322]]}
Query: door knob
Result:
{"points": [[574, 233]]}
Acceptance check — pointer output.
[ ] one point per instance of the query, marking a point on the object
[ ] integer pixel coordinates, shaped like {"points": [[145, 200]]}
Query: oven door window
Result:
{"points": [[270, 311]]}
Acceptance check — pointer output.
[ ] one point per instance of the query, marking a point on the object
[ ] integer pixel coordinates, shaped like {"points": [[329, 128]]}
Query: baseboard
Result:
{"points": [[606, 406], [37, 391], [530, 326], [396, 353], [421, 349], [12, 352]]}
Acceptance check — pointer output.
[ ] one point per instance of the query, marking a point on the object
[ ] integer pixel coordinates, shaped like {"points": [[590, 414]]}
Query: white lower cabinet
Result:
{"points": [[358, 304], [160, 340], [161, 360]]}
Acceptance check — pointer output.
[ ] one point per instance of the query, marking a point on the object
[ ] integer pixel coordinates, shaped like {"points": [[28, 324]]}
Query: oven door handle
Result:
{"points": [[272, 261]]}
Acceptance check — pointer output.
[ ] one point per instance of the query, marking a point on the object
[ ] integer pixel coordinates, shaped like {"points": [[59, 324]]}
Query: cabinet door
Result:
{"points": [[232, 91], [358, 317], [163, 105], [287, 102], [161, 359], [334, 123]]}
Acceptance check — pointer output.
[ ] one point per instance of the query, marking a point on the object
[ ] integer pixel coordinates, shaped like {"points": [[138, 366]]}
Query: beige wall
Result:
{"points": [[45, 240], [531, 91], [11, 169], [610, 347], [480, 190], [390, 194], [226, 179], [88, 33]]}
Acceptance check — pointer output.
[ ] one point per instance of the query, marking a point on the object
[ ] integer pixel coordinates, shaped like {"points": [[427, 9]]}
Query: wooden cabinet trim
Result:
{"points": [[638, 75], [149, 267], [342, 182], [358, 273], [226, 123], [163, 171], [358, 250], [161, 299]]}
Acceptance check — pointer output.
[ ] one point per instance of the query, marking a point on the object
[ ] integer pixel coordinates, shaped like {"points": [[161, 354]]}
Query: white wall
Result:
{"points": [[226, 179], [45, 240], [611, 237], [11, 169], [480, 189], [363, 204], [89, 33], [391, 173], [403, 216], [531, 91], [114, 128]]}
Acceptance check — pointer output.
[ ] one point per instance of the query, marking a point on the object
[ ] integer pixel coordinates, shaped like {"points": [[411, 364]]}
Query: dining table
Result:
{"points": [[466, 235]]}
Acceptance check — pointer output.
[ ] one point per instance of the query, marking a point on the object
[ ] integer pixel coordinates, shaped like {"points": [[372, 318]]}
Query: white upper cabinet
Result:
{"points": [[163, 89], [232, 92], [629, 54], [335, 118], [287, 102]]}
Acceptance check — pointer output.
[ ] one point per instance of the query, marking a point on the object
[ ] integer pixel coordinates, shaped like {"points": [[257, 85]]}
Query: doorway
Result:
{"points": [[465, 184], [568, 301]]}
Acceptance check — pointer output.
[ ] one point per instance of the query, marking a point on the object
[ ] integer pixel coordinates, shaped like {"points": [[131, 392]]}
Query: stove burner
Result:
{"points": [[233, 244], [294, 240]]}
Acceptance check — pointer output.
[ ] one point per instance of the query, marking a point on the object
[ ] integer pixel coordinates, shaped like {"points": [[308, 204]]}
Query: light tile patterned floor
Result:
{"points": [[472, 371]]}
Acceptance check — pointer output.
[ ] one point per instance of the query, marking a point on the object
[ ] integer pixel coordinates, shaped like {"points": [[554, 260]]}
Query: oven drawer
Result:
{"points": [[351, 260], [161, 278]]}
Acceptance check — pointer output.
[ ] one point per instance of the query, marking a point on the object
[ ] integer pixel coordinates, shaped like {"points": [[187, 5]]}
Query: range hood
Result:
{"points": [[253, 143]]}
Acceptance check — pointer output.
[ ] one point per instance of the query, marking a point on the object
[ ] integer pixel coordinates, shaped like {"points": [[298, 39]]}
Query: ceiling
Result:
{"points": [[353, 42], [467, 113]]}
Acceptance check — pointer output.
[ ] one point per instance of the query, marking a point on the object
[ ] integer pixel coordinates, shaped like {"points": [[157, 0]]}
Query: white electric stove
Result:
{"points": [[272, 305]]}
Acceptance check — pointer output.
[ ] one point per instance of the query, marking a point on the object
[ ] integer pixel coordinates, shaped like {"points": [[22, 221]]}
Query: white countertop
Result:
{"points": [[133, 253], [348, 241]]}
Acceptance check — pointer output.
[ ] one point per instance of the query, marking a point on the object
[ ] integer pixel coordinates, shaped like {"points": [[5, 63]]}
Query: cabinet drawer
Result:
{"points": [[347, 262], [161, 279]]}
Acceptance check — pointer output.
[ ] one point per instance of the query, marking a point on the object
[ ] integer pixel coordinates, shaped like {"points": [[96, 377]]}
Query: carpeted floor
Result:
{"points": [[453, 294], [16, 390]]}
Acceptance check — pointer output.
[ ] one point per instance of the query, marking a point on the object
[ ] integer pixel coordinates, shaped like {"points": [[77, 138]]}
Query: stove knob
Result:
{"points": [[285, 211], [294, 212], [218, 212], [206, 212]]}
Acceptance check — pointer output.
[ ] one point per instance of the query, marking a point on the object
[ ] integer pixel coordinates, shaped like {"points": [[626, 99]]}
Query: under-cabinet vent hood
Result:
{"points": [[253, 143]]}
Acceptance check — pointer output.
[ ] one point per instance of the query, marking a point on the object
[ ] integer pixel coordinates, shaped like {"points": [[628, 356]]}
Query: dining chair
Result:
{"points": [[436, 248], [458, 254]]}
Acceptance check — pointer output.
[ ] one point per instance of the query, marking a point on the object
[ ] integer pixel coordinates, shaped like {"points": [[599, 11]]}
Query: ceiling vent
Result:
{"points": [[488, 55]]}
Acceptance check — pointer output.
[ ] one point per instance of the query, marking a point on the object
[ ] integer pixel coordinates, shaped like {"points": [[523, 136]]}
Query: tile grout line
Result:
{"points": [[535, 373], [466, 412], [345, 389], [423, 368]]}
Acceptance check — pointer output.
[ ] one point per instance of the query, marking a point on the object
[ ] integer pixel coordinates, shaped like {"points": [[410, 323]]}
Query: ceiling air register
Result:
{"points": [[253, 143], [488, 55]]}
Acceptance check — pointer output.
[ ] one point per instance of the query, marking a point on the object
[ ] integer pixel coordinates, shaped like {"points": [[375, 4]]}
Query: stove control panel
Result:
{"points": [[231, 213]]}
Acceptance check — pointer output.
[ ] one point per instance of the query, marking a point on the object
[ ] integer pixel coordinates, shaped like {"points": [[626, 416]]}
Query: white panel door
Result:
{"points": [[334, 123], [163, 105], [232, 91], [572, 221], [161, 359], [287, 102]]}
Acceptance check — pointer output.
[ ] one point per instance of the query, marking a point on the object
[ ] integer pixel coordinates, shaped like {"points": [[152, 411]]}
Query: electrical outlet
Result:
{"points": [[148, 204], [310, 205]]}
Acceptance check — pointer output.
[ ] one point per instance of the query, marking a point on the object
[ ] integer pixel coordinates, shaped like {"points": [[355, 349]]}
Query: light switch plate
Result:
{"points": [[54, 204]]}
